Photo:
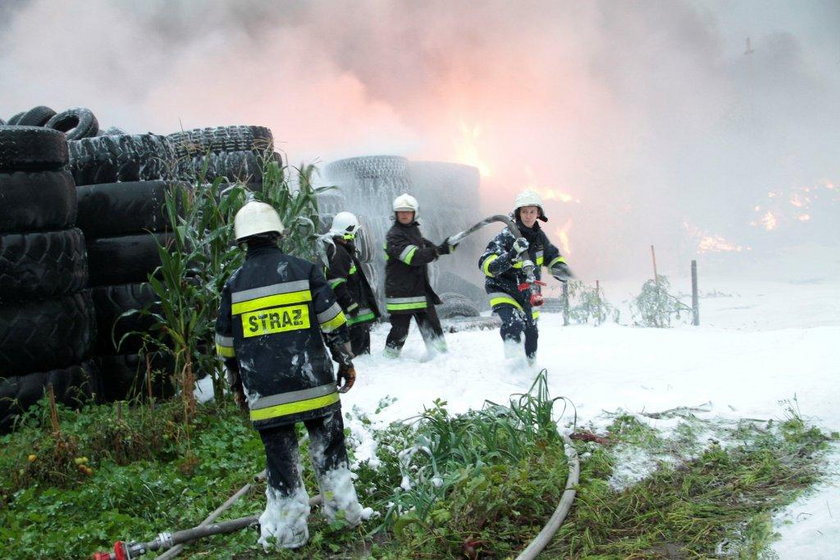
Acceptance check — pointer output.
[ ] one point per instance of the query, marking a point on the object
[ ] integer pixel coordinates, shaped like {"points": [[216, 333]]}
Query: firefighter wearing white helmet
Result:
{"points": [[406, 203], [256, 218], [529, 198], [506, 263], [345, 225], [276, 313], [408, 292], [346, 277]]}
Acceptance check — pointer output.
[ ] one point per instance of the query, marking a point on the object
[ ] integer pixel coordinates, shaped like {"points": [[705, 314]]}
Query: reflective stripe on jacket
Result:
{"points": [[351, 287]]}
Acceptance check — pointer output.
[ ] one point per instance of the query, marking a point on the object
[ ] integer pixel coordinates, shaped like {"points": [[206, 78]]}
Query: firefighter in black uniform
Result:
{"points": [[503, 264], [347, 279], [273, 312], [408, 292]]}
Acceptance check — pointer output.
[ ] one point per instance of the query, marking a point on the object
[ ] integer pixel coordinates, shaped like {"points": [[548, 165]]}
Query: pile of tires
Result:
{"points": [[122, 181], [235, 153], [47, 323], [75, 122]]}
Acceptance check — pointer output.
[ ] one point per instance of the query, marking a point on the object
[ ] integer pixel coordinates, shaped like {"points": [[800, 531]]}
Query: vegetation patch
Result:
{"points": [[718, 502], [476, 485]]}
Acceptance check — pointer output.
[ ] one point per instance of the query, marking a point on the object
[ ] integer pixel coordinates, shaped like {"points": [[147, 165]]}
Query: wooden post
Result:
{"points": [[655, 274], [695, 300]]}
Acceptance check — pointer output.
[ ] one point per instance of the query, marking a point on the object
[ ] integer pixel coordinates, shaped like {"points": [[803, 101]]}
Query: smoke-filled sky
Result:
{"points": [[700, 127]]}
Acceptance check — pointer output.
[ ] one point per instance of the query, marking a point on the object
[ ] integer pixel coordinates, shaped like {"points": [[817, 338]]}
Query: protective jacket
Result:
{"points": [[352, 289], [503, 271], [407, 255], [269, 329]]}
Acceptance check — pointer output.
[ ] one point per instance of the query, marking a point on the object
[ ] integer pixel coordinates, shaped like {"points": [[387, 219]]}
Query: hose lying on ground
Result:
{"points": [[559, 515]]}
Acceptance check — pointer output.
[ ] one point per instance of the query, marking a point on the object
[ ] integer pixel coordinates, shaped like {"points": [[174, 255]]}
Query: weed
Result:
{"points": [[588, 305], [655, 306]]}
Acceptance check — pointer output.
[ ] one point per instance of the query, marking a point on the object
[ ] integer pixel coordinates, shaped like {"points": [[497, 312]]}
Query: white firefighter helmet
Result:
{"points": [[529, 198], [345, 225], [255, 218], [406, 203]]}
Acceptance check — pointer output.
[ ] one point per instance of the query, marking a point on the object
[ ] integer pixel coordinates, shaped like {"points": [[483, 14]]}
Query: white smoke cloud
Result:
{"points": [[648, 115]]}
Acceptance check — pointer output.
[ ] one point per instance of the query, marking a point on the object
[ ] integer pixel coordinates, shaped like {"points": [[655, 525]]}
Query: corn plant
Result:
{"points": [[203, 255]]}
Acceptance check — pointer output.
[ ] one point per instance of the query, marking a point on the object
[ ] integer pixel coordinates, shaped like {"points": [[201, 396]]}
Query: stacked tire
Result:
{"points": [[47, 324], [122, 183], [75, 122], [234, 153]]}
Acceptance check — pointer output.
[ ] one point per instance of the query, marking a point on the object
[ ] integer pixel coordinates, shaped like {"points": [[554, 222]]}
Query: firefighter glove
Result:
{"points": [[520, 245], [446, 247], [561, 272], [346, 377]]}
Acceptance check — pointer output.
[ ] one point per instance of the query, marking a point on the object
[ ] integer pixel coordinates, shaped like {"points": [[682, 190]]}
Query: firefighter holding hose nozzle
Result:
{"points": [[512, 270]]}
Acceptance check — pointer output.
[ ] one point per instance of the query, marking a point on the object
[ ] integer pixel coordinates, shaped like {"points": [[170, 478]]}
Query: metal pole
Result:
{"points": [[565, 304], [598, 318], [695, 300]]}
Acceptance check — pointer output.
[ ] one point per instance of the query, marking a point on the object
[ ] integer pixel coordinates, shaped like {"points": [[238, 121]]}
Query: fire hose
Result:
{"points": [[174, 541]]}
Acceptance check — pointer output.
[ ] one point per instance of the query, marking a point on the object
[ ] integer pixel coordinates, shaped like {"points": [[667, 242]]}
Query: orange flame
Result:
{"points": [[562, 234], [787, 206], [712, 243], [717, 244], [769, 221], [466, 148]]}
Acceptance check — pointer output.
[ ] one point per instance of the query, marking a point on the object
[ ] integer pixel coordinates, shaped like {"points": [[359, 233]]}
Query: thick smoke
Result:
{"points": [[641, 123]]}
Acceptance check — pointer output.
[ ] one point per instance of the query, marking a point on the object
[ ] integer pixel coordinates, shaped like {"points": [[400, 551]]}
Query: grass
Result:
{"points": [[476, 485], [717, 502]]}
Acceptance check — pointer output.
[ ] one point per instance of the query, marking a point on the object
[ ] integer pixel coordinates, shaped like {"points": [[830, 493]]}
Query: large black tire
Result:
{"points": [[36, 116], [366, 167], [42, 265], [200, 141], [124, 376], [13, 120], [122, 157], [37, 201], [126, 259], [110, 303], [73, 386], [46, 334], [241, 166], [76, 123], [113, 209], [455, 305], [31, 148]]}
